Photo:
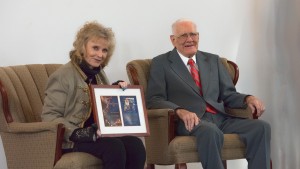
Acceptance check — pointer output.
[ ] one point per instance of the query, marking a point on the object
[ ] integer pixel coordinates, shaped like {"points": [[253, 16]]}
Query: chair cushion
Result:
{"points": [[183, 148], [78, 160]]}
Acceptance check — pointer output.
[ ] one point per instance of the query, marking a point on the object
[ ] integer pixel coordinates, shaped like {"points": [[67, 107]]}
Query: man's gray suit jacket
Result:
{"points": [[170, 84]]}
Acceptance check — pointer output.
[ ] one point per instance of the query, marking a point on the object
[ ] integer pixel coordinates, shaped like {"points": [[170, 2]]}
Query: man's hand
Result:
{"points": [[190, 119], [255, 105]]}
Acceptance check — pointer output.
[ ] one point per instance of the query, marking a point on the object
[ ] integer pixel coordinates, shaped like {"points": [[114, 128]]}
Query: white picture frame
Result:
{"points": [[119, 112]]}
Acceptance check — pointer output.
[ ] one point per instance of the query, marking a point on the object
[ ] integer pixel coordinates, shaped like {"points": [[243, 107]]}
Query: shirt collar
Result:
{"points": [[186, 59]]}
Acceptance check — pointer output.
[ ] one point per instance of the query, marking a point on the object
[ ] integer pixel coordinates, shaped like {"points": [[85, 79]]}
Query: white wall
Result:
{"points": [[42, 31]]}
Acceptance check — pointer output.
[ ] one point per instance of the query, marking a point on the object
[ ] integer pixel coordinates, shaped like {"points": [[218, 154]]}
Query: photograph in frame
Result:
{"points": [[119, 112]]}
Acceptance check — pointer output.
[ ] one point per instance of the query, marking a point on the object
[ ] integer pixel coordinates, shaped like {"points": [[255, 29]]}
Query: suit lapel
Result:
{"points": [[204, 70], [180, 69]]}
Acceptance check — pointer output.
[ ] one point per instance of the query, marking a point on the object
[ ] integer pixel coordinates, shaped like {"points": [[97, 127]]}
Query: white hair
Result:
{"points": [[179, 21]]}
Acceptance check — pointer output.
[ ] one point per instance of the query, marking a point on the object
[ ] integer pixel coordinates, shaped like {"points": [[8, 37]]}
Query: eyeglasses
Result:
{"points": [[184, 37]]}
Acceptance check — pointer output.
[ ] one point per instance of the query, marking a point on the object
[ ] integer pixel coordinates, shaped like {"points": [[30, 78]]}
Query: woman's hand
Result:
{"points": [[81, 135], [123, 85], [98, 134]]}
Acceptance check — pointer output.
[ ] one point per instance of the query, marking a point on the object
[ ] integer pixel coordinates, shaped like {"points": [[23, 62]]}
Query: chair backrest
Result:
{"points": [[22, 92], [138, 71]]}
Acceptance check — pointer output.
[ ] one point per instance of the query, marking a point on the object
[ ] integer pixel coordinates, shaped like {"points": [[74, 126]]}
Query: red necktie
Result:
{"points": [[196, 76]]}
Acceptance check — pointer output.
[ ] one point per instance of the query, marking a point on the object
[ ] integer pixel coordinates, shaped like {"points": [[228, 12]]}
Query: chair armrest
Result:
{"points": [[243, 113], [169, 115], [157, 113], [162, 131], [16, 127], [39, 139]]}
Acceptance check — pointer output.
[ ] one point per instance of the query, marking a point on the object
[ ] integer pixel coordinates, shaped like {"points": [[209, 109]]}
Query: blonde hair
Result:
{"points": [[89, 31]]}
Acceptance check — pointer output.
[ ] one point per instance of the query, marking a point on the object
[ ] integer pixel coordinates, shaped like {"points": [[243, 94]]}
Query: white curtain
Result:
{"points": [[270, 59]]}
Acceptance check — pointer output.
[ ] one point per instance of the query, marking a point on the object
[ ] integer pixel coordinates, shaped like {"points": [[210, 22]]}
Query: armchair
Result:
{"points": [[28, 142], [163, 146]]}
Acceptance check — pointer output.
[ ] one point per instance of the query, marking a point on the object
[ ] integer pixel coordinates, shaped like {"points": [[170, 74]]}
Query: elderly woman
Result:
{"points": [[67, 101]]}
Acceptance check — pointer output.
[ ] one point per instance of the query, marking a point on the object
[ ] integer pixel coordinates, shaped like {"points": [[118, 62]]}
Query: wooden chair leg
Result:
{"points": [[271, 164], [177, 166], [224, 164], [180, 166], [150, 166]]}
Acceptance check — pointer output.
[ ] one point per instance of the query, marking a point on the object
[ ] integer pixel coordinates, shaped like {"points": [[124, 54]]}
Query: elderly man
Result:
{"points": [[197, 86]]}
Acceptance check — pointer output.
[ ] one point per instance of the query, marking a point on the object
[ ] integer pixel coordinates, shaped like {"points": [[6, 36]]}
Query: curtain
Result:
{"points": [[269, 56]]}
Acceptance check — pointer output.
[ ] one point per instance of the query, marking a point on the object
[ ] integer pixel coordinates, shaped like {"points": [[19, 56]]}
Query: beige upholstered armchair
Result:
{"points": [[28, 142], [163, 146]]}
